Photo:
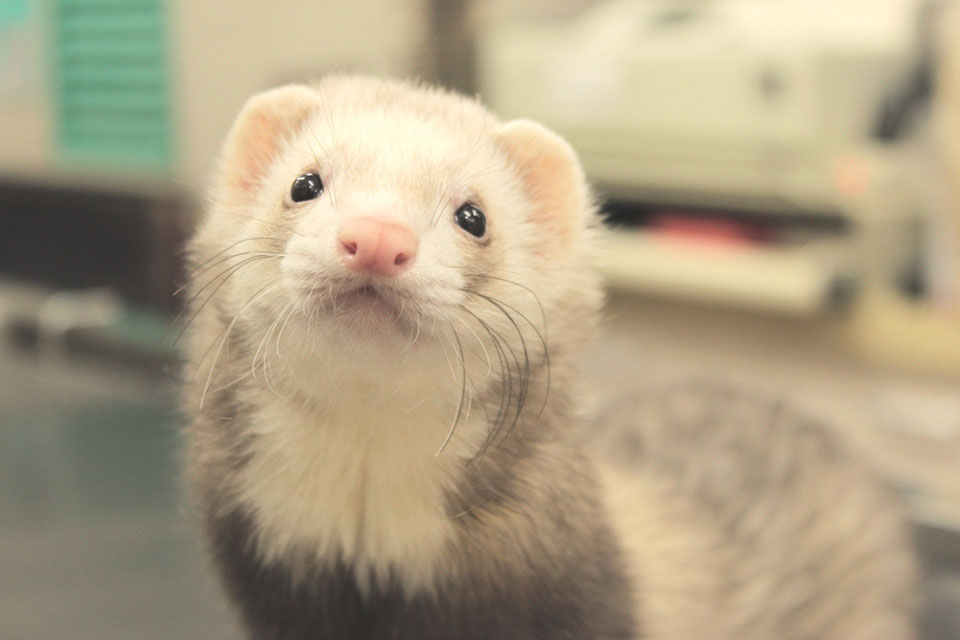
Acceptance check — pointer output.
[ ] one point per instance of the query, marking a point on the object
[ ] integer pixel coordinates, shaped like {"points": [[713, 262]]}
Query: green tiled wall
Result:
{"points": [[12, 12], [111, 81]]}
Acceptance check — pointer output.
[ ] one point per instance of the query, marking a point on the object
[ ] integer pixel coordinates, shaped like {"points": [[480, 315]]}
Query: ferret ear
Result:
{"points": [[551, 175], [264, 122]]}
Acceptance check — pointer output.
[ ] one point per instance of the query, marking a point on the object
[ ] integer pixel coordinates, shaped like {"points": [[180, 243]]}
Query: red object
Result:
{"points": [[710, 230]]}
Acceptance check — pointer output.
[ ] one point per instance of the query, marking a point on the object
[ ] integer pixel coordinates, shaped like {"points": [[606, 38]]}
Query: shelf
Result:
{"points": [[801, 279]]}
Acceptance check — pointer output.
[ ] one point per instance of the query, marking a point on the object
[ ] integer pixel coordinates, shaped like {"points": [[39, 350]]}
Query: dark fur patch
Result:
{"points": [[582, 601]]}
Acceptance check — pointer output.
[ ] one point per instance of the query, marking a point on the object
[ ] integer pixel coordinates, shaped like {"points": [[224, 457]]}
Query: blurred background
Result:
{"points": [[782, 179]]}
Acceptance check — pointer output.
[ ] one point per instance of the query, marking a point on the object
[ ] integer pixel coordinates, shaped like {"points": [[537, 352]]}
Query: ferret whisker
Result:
{"points": [[543, 314], [222, 277], [522, 376], [293, 308], [506, 381], [227, 270], [398, 311], [196, 274], [419, 328], [543, 342], [435, 215], [446, 355], [224, 332], [270, 223], [316, 157], [506, 392], [231, 246], [267, 370], [482, 346], [313, 134], [207, 300], [525, 375], [256, 354], [490, 168], [463, 394], [226, 335], [188, 303], [333, 138], [415, 335], [474, 147], [231, 383], [463, 376], [417, 404], [304, 111]]}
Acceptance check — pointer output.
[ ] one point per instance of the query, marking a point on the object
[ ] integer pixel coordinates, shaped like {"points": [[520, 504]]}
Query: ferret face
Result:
{"points": [[369, 229], [408, 214]]}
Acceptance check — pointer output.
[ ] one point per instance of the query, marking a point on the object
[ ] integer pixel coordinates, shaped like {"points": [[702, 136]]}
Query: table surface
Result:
{"points": [[94, 542]]}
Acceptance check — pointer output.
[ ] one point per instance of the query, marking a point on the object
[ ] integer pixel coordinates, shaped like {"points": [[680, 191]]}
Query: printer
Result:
{"points": [[778, 112]]}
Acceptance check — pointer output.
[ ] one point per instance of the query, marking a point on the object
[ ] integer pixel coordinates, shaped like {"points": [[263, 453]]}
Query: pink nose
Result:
{"points": [[386, 248]]}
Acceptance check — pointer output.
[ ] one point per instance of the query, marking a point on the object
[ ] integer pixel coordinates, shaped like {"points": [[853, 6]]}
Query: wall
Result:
{"points": [[947, 120], [220, 54], [25, 122], [228, 51]]}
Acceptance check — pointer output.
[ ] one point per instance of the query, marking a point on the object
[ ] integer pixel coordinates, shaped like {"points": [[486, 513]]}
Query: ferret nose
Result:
{"points": [[369, 244]]}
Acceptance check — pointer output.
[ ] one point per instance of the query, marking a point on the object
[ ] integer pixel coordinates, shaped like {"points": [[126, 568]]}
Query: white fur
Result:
{"points": [[353, 409], [359, 483]]}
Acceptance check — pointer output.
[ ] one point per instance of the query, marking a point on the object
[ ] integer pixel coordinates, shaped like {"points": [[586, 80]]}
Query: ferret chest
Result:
{"points": [[359, 483]]}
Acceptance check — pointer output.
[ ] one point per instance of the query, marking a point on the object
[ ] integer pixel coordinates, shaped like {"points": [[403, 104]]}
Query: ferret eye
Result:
{"points": [[471, 219], [306, 187]]}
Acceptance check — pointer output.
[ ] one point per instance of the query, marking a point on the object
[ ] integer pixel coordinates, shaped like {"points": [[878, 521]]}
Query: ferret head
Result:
{"points": [[375, 231]]}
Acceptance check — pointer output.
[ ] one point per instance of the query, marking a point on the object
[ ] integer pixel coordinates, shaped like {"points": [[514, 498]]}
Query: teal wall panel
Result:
{"points": [[112, 90], [12, 12]]}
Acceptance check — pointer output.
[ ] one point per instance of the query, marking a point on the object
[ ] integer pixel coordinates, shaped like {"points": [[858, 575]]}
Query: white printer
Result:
{"points": [[769, 106]]}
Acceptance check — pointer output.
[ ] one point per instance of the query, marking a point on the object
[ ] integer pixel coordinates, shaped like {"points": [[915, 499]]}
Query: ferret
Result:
{"points": [[391, 292]]}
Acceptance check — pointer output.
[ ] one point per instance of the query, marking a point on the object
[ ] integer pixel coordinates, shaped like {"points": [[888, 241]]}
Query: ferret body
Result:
{"points": [[391, 291]]}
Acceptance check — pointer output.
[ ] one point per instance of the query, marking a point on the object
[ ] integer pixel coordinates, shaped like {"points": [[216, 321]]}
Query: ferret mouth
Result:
{"points": [[365, 293], [363, 307], [367, 301]]}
